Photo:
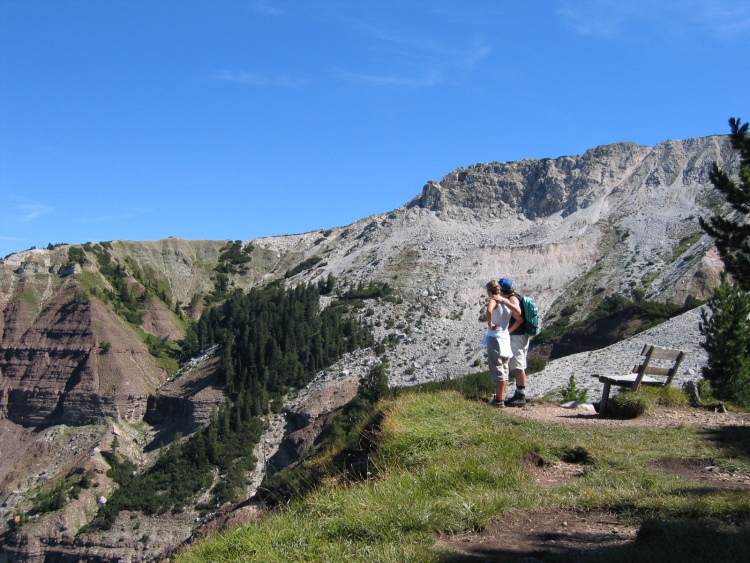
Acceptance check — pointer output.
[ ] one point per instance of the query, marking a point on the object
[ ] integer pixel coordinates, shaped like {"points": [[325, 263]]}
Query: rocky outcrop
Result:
{"points": [[534, 188], [186, 402], [309, 413], [55, 370], [297, 444]]}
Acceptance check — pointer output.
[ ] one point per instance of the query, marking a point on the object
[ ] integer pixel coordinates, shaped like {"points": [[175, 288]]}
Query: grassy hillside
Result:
{"points": [[447, 464]]}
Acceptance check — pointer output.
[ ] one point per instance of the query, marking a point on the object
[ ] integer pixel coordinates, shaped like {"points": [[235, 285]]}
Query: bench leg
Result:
{"points": [[605, 397]]}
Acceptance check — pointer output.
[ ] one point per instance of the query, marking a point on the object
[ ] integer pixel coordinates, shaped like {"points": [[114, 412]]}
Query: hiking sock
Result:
{"points": [[521, 391]]}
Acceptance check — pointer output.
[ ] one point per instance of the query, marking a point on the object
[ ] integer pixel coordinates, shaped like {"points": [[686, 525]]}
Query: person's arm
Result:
{"points": [[513, 304], [490, 307], [515, 311]]}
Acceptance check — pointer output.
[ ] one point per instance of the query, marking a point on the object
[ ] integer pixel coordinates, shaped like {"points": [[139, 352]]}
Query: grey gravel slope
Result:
{"points": [[681, 332]]}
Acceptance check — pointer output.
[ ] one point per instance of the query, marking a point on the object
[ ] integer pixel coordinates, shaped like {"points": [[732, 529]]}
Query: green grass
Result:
{"points": [[165, 352], [629, 404], [447, 464], [90, 281]]}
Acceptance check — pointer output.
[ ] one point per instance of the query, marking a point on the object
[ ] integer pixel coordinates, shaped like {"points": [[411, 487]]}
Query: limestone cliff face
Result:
{"points": [[534, 188]]}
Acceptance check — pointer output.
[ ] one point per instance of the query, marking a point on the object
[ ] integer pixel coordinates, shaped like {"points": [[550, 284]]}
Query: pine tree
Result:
{"points": [[732, 232], [374, 385], [727, 328], [727, 333]]}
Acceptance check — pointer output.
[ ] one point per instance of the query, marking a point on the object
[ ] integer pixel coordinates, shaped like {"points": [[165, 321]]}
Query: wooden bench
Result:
{"points": [[645, 373]]}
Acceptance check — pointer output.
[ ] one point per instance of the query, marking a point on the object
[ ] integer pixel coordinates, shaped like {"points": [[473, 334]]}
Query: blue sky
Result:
{"points": [[237, 119]]}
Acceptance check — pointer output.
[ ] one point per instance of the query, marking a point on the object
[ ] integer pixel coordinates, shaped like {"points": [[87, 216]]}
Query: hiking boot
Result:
{"points": [[516, 401], [495, 402]]}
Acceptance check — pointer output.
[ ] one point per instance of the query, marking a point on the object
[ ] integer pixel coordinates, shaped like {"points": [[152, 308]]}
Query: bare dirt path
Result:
{"points": [[584, 416], [543, 535]]}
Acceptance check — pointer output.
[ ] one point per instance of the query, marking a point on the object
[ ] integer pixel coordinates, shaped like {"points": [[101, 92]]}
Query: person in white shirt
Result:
{"points": [[500, 311]]}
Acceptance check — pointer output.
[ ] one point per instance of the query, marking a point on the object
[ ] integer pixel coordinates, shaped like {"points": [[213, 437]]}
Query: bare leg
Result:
{"points": [[501, 387], [520, 378]]}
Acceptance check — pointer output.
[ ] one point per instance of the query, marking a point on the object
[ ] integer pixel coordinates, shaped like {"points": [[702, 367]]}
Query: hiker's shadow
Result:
{"points": [[734, 440]]}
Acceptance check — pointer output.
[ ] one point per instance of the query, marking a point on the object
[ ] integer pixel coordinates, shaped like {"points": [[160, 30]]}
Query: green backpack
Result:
{"points": [[530, 311]]}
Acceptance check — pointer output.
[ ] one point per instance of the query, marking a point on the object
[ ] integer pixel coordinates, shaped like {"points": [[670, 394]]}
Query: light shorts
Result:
{"points": [[519, 343], [498, 364]]}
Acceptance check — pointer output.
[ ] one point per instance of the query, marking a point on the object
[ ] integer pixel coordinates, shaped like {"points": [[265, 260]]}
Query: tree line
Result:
{"points": [[271, 339]]}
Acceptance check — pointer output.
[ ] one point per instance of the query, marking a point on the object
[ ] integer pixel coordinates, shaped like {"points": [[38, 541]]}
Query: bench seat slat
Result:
{"points": [[654, 370], [629, 379]]}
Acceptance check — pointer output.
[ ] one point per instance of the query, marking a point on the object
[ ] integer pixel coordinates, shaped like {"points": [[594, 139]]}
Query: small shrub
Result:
{"points": [[569, 393], [535, 365], [706, 392], [76, 256], [50, 501], [666, 396], [569, 310], [573, 393], [373, 290], [628, 404], [303, 266]]}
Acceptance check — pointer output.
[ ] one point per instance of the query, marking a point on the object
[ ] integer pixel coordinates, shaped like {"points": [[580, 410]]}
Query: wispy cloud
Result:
{"points": [[248, 78], [413, 61], [614, 18], [423, 81], [600, 18], [264, 8], [390, 54], [478, 51], [125, 215], [726, 18], [29, 211]]}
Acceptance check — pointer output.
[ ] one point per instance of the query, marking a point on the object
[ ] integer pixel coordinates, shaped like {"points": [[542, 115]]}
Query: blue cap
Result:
{"points": [[506, 284]]}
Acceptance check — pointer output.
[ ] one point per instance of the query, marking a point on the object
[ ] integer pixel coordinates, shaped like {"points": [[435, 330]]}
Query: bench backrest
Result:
{"points": [[668, 360]]}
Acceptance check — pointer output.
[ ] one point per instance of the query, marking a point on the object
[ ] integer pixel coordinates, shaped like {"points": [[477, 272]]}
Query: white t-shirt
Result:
{"points": [[501, 317]]}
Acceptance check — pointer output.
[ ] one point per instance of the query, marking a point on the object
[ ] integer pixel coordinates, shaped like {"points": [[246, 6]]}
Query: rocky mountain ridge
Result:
{"points": [[570, 231]]}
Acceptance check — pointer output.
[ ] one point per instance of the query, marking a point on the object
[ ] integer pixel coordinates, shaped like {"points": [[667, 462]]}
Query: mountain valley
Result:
{"points": [[92, 334]]}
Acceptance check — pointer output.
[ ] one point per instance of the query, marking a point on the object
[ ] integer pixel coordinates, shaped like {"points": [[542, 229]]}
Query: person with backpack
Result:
{"points": [[500, 311], [525, 324]]}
